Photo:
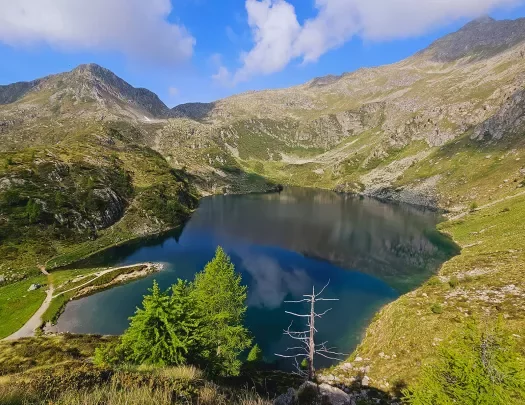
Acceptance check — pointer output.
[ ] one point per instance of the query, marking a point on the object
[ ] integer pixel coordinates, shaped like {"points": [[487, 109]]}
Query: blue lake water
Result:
{"points": [[283, 244]]}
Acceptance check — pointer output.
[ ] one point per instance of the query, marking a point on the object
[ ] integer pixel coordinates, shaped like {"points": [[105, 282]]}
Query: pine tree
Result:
{"points": [[220, 298], [162, 331]]}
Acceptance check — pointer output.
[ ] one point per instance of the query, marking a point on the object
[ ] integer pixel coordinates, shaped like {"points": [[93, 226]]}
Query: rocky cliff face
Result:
{"points": [[509, 120]]}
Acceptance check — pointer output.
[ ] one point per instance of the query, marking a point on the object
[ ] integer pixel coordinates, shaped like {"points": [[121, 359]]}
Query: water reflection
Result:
{"points": [[283, 244]]}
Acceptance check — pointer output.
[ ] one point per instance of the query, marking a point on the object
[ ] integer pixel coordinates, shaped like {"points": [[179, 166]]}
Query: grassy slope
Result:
{"points": [[17, 304], [160, 198], [485, 281], [61, 366]]}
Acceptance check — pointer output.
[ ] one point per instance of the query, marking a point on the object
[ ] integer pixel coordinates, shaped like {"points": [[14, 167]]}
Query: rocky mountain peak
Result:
{"points": [[479, 39], [106, 83]]}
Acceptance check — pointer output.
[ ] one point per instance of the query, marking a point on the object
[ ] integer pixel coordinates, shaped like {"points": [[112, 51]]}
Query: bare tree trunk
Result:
{"points": [[311, 369], [307, 349]]}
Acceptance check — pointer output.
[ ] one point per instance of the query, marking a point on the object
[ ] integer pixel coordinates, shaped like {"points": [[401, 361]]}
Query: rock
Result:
{"points": [[34, 287], [365, 381], [333, 396], [358, 359], [308, 394], [2, 278], [289, 398]]}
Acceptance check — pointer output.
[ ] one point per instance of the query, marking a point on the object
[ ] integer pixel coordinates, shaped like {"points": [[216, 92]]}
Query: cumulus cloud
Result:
{"points": [[279, 38], [137, 28]]}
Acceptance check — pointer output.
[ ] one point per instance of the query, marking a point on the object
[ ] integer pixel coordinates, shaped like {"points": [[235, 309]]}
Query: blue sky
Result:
{"points": [[203, 50]]}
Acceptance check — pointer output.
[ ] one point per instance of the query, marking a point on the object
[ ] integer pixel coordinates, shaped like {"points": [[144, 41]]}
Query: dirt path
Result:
{"points": [[28, 330], [492, 203], [101, 273]]}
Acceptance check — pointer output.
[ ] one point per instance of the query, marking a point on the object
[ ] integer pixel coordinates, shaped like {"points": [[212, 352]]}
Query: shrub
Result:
{"points": [[453, 282], [473, 206], [255, 355], [436, 308], [481, 365]]}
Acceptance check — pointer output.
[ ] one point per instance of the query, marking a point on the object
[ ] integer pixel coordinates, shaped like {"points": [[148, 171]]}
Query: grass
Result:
{"points": [[57, 370], [39, 352], [90, 281], [17, 304], [485, 281]]}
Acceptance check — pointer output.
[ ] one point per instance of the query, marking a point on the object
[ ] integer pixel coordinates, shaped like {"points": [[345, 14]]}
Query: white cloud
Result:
{"points": [[275, 28], [279, 38], [137, 28]]}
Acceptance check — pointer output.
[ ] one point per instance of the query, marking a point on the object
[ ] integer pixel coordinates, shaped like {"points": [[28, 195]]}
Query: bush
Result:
{"points": [[255, 356], [473, 206], [453, 282], [436, 308], [480, 366]]}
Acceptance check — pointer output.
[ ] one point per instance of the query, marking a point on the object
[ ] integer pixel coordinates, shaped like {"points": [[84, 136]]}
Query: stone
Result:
{"points": [[34, 287], [358, 359], [308, 394], [333, 396], [365, 381], [288, 398]]}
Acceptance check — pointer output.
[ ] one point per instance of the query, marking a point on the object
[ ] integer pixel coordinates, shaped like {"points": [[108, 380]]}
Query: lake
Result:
{"points": [[283, 244]]}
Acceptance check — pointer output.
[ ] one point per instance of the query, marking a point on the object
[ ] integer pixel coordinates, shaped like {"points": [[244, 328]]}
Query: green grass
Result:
{"points": [[17, 304], [491, 262], [64, 277], [29, 353]]}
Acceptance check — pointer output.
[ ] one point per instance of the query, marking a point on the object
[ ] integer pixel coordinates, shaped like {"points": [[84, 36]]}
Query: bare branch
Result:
{"points": [[328, 357], [318, 294], [324, 313], [293, 356], [295, 302], [299, 315]]}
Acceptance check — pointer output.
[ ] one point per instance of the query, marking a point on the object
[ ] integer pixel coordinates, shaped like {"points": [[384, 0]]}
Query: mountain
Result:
{"points": [[90, 162], [89, 89], [478, 39]]}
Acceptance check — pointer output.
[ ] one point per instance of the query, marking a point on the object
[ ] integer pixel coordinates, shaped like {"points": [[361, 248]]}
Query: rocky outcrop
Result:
{"points": [[509, 120], [112, 208]]}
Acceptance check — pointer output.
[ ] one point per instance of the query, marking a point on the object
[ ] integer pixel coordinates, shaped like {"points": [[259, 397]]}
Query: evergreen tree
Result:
{"points": [[163, 332], [479, 367], [220, 299]]}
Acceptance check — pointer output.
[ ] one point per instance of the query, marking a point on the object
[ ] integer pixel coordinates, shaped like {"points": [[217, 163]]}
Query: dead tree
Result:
{"points": [[307, 348]]}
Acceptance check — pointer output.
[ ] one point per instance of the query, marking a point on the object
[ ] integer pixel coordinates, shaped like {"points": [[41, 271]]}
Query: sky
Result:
{"points": [[204, 50]]}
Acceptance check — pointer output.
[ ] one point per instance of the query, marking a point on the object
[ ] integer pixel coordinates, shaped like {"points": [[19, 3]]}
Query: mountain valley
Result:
{"points": [[88, 162]]}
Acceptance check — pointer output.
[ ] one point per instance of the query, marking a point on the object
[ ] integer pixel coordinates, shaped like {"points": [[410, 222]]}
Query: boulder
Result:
{"points": [[34, 287], [308, 394], [289, 398], [333, 396]]}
